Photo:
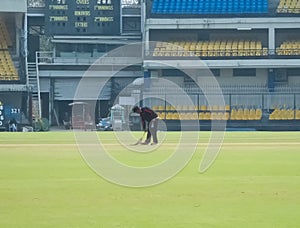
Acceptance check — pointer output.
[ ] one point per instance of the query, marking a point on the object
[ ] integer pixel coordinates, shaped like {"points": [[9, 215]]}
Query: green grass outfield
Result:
{"points": [[254, 182]]}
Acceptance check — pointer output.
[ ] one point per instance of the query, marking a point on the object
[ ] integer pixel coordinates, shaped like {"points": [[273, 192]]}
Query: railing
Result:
{"points": [[214, 53], [267, 101], [232, 53], [44, 57], [38, 86], [50, 58]]}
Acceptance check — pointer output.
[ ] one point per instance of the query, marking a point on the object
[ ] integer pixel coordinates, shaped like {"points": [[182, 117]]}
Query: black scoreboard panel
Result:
{"points": [[82, 17]]}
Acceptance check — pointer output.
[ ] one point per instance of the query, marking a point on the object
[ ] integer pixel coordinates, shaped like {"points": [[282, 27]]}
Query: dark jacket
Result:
{"points": [[147, 115]]}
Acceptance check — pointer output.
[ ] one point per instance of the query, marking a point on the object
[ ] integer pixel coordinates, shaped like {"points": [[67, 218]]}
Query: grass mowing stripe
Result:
{"points": [[255, 181]]}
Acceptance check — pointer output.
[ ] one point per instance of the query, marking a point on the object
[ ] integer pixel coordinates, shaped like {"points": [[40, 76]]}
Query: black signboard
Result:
{"points": [[82, 17]]}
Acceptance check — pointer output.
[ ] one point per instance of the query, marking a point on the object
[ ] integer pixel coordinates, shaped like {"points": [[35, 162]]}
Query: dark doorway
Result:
{"points": [[33, 46]]}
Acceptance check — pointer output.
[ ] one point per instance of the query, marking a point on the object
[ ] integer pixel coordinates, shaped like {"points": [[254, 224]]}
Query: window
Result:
{"points": [[216, 72], [248, 72], [293, 72]]}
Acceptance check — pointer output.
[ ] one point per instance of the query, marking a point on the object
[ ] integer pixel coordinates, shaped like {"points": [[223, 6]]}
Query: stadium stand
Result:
{"points": [[204, 112], [209, 6], [297, 114], [246, 113], [282, 114], [8, 71], [288, 6], [211, 48], [247, 45], [291, 47], [5, 38]]}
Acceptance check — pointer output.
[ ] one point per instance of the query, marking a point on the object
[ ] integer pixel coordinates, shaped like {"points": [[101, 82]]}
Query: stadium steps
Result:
{"points": [[33, 82]]}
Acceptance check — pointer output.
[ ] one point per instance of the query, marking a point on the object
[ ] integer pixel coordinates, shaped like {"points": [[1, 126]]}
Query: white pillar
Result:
{"points": [[271, 41]]}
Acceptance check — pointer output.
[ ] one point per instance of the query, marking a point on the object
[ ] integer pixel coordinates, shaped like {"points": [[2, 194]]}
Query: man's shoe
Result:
{"points": [[154, 143], [144, 143]]}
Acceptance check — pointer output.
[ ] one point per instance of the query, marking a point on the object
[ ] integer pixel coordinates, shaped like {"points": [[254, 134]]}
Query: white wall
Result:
{"points": [[13, 5], [227, 78]]}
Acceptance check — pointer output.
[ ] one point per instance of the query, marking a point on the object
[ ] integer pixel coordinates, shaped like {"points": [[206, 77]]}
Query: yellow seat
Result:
{"points": [[207, 116], [227, 116], [160, 108], [201, 116], [203, 108], [297, 115], [252, 114], [155, 107], [168, 115], [162, 115], [246, 114], [233, 114], [258, 114]]}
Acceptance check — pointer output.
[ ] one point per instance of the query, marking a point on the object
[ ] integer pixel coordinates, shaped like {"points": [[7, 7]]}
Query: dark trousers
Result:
{"points": [[152, 131]]}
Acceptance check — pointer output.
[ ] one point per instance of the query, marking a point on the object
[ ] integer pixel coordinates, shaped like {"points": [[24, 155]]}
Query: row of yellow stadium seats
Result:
{"points": [[291, 47], [213, 45], [285, 115], [7, 67], [9, 77], [209, 47], [190, 44], [288, 9], [246, 114], [5, 36], [5, 59], [195, 116], [297, 114], [190, 107], [221, 52], [285, 6], [5, 45], [256, 115], [8, 71], [290, 42], [289, 3], [246, 111], [7, 64], [231, 49], [280, 51], [8, 74]]}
